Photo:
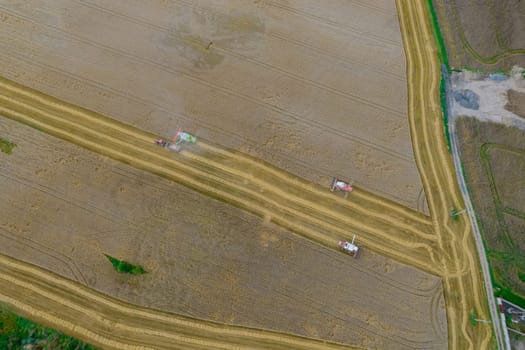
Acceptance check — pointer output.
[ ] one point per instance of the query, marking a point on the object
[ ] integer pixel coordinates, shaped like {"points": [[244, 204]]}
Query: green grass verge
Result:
{"points": [[125, 267], [443, 58], [443, 101], [6, 146], [442, 53], [19, 333]]}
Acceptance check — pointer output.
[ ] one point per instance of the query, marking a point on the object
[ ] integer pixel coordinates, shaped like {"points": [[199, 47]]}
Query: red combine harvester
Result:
{"points": [[340, 185], [350, 247]]}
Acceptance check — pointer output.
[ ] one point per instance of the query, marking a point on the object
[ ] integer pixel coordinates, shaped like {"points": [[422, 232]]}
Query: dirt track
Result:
{"points": [[462, 281]]}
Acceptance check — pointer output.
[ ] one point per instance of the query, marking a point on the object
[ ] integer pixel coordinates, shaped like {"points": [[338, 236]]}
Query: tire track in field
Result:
{"points": [[433, 202], [420, 225], [361, 195], [279, 219], [297, 42], [260, 204], [333, 24], [464, 290], [453, 191], [138, 327], [375, 8], [64, 259], [227, 52], [136, 99], [217, 88], [226, 173]]}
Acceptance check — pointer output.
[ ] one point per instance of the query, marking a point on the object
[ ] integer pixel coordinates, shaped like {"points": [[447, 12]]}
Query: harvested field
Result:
{"points": [[485, 35], [494, 160], [318, 91], [450, 248], [205, 258]]}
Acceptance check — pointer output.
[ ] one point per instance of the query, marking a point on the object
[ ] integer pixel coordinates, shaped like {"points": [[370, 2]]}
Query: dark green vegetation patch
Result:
{"points": [[6, 146], [442, 53], [18, 333], [494, 164], [125, 267], [445, 69]]}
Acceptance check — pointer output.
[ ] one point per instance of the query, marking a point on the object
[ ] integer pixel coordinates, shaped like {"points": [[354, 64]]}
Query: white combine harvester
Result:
{"points": [[350, 247], [340, 185]]}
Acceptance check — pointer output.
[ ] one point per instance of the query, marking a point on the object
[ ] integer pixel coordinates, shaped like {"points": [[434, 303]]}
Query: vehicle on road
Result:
{"points": [[350, 247], [340, 185], [180, 138]]}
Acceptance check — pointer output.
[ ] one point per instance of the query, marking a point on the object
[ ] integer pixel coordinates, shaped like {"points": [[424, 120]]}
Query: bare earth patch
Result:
{"points": [[516, 102]]}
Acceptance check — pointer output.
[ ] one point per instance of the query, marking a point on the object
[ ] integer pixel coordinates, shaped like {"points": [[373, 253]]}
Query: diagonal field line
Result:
{"points": [[127, 144]]}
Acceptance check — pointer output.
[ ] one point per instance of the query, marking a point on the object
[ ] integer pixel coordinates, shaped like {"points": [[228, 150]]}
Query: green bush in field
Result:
{"points": [[125, 267], [472, 318], [17, 332], [521, 276], [6, 146]]}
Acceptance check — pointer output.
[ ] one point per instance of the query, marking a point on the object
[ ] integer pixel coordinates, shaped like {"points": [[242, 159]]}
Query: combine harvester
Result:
{"points": [[179, 138], [350, 247], [340, 185]]}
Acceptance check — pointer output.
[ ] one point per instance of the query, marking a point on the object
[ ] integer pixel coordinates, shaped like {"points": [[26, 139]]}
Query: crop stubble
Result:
{"points": [[137, 238], [353, 124]]}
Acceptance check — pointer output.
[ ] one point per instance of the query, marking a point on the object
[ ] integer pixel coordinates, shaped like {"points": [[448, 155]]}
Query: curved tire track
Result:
{"points": [[462, 284], [138, 328]]}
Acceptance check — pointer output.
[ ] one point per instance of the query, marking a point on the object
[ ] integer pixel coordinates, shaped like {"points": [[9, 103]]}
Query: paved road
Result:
{"points": [[494, 311]]}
